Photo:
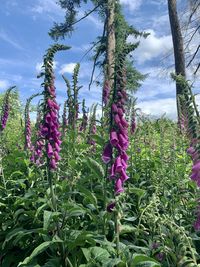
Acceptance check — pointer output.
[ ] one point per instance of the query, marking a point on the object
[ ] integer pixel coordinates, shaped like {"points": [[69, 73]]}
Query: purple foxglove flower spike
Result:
{"points": [[118, 134]]}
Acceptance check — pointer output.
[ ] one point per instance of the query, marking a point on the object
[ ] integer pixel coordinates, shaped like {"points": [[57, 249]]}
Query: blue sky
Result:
{"points": [[24, 27]]}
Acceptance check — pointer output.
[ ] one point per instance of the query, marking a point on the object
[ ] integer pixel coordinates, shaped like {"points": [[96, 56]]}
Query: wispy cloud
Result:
{"points": [[5, 37], [47, 6]]}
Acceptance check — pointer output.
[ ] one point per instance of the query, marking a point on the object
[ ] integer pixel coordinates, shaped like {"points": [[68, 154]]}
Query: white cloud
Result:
{"points": [[40, 64], [67, 68], [4, 84], [156, 86], [152, 47], [159, 107], [131, 4]]}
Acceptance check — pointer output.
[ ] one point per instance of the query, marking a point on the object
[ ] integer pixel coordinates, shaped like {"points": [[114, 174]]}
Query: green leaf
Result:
{"points": [[95, 167], [99, 254], [76, 211], [38, 250], [19, 233], [88, 195], [53, 263], [125, 229], [137, 191], [46, 219], [112, 262], [86, 253], [99, 140], [140, 260]]}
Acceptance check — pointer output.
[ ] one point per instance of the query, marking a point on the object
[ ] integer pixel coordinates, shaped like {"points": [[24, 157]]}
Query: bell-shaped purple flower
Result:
{"points": [[111, 207], [118, 164], [114, 108], [117, 119], [190, 150], [113, 138], [56, 156], [196, 167], [118, 187], [124, 176], [120, 112], [124, 122], [124, 156], [107, 153], [53, 164], [49, 150]]}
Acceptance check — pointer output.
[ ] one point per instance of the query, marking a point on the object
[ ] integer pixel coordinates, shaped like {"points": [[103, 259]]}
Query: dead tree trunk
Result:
{"points": [[111, 42], [178, 48]]}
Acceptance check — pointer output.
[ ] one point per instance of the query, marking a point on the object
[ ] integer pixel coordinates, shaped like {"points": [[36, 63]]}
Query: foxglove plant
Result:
{"points": [[197, 222], [38, 146], [84, 122], [191, 123], [28, 143], [115, 149], [192, 132], [133, 119], [72, 101], [69, 102], [49, 127], [92, 126], [5, 109], [64, 118], [133, 124], [76, 89]]}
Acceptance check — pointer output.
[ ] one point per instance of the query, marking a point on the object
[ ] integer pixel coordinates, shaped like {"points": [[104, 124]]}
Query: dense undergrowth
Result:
{"points": [[76, 227]]}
